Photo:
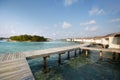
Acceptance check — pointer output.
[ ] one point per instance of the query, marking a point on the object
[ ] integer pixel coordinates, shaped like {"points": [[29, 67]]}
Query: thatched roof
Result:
{"points": [[109, 35], [113, 34], [106, 36]]}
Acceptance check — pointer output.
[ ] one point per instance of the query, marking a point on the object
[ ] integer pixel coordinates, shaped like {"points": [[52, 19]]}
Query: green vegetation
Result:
{"points": [[1, 38], [28, 38]]}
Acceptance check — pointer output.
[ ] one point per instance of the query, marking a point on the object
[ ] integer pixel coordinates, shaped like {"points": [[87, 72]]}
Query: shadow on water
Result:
{"points": [[78, 68]]}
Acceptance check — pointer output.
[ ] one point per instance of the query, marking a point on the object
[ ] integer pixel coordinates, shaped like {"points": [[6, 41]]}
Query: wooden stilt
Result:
{"points": [[75, 53], [118, 57], [86, 53], [79, 51], [113, 55], [44, 64], [101, 55], [59, 59], [103, 46], [86, 60], [83, 50], [68, 55]]}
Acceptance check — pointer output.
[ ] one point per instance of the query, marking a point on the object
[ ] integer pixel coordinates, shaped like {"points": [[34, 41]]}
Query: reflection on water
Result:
{"points": [[78, 68]]}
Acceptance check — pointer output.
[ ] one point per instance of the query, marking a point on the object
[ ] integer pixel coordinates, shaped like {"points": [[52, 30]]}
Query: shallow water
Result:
{"points": [[77, 68], [13, 47]]}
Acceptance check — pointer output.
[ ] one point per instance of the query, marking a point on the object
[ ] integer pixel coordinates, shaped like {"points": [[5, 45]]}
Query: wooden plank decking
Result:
{"points": [[48, 52], [102, 49], [14, 67]]}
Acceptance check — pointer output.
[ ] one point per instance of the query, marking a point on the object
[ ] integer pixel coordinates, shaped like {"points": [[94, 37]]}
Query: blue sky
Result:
{"points": [[59, 18]]}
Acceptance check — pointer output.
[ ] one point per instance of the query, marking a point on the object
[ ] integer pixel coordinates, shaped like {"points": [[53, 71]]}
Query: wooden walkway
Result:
{"points": [[15, 66], [102, 49], [48, 52]]}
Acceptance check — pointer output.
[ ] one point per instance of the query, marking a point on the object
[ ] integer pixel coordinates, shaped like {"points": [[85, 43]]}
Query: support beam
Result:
{"points": [[83, 50], [104, 46], [75, 54], [44, 64], [101, 55], [86, 53], [86, 60], [68, 55], [118, 58], [113, 55], [59, 59], [79, 51]]}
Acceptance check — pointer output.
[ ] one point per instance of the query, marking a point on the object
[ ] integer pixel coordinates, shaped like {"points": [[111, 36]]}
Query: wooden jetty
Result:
{"points": [[15, 66]]}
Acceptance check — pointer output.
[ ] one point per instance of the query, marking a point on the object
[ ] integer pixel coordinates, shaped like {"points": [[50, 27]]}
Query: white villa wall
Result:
{"points": [[114, 42], [79, 40], [89, 40], [85, 40], [98, 41], [68, 39], [104, 41]]}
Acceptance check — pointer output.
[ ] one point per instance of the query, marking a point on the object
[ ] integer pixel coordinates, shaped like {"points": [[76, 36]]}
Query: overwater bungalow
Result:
{"points": [[111, 40], [114, 40]]}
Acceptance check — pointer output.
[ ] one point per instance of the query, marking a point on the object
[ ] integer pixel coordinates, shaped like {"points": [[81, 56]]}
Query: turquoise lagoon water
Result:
{"points": [[77, 68], [14, 47]]}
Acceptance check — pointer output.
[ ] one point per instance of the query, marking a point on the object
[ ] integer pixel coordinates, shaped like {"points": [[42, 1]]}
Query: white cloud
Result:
{"points": [[66, 25], [96, 11], [88, 23], [69, 2], [115, 20], [92, 28]]}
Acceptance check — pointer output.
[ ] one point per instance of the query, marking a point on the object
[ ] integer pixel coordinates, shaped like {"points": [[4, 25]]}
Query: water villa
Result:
{"points": [[111, 40]]}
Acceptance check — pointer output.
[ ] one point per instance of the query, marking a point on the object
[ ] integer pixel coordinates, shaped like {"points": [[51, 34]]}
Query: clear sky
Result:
{"points": [[59, 18]]}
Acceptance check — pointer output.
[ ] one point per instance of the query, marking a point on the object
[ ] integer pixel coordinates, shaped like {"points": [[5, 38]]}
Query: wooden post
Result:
{"points": [[118, 57], [79, 51], [68, 55], [75, 54], [83, 51], [86, 53], [113, 55], [59, 59], [104, 46], [86, 60], [44, 64], [101, 55]]}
